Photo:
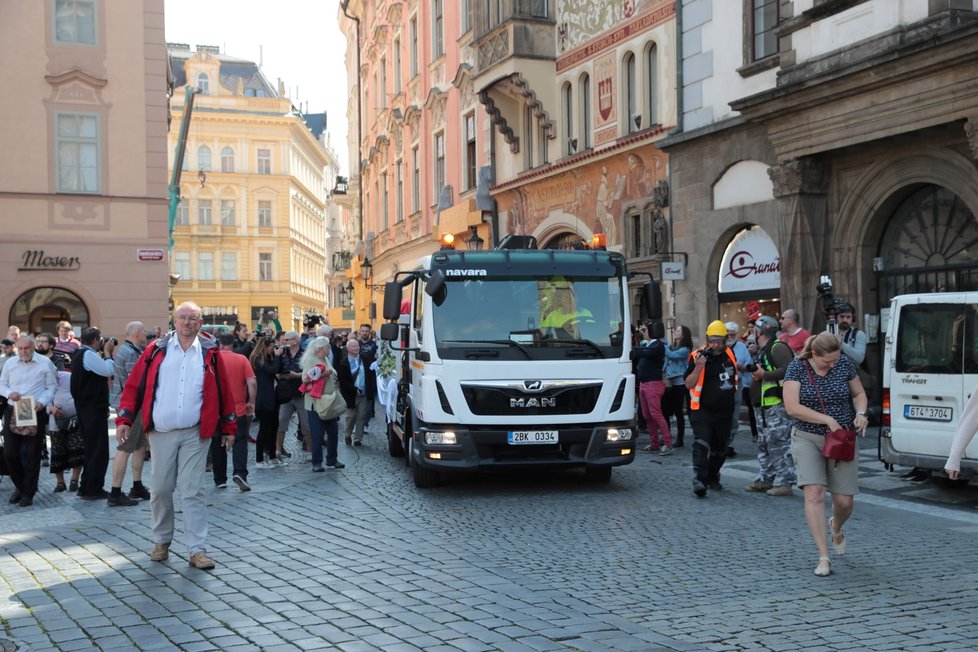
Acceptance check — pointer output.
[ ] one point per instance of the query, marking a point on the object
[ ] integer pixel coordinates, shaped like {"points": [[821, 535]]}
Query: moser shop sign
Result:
{"points": [[34, 260], [751, 262]]}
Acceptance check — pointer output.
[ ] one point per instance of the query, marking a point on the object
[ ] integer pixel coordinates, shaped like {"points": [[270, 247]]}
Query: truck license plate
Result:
{"points": [[533, 437], [927, 413]]}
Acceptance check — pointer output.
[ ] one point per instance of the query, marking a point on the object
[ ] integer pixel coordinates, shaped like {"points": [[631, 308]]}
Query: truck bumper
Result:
{"points": [[490, 448]]}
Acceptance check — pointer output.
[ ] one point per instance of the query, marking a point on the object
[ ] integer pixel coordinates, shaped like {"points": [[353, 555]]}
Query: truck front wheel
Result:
{"points": [[393, 442], [598, 473], [424, 478]]}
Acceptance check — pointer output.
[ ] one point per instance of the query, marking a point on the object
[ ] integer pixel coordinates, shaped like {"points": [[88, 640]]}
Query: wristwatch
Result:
{"points": [[860, 414]]}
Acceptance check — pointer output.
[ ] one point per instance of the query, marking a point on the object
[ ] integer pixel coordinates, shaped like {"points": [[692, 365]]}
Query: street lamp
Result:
{"points": [[474, 241], [202, 177], [366, 269], [343, 296], [349, 294]]}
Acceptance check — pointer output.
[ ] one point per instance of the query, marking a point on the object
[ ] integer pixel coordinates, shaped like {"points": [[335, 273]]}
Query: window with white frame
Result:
{"points": [[567, 95], [227, 160], [586, 111], [494, 12], [181, 264], [414, 45], [264, 214], [652, 83], [75, 21], [182, 218], [264, 161], [437, 28], [204, 209], [396, 52], [415, 179], [382, 83], [229, 266], [471, 177], [465, 13], [765, 16], [386, 205], [227, 212], [264, 267], [399, 191], [631, 104], [439, 163], [204, 83], [204, 158], [79, 151], [205, 266]]}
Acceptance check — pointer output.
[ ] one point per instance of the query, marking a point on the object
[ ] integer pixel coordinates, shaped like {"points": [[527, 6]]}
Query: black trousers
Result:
{"points": [[94, 423], [267, 429], [23, 457], [673, 404], [710, 434]]}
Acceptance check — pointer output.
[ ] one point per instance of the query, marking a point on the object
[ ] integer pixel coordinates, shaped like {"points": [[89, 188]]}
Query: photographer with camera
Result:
{"points": [[711, 377], [244, 340], [92, 368], [777, 474]]}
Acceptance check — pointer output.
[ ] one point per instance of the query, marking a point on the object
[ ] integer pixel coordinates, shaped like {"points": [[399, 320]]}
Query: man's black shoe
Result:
{"points": [[336, 465], [121, 500], [15, 498], [140, 493], [715, 485], [731, 452], [26, 501], [101, 494], [699, 489]]}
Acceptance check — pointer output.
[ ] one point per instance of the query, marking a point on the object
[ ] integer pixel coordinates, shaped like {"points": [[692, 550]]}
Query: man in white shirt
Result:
{"points": [[29, 375]]}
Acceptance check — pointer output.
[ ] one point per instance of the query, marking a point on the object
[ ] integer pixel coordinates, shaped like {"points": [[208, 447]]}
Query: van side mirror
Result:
{"points": [[392, 300]]}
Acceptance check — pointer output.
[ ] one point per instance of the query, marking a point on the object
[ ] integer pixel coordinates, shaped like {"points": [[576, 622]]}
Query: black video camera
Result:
{"points": [[311, 321], [830, 303]]}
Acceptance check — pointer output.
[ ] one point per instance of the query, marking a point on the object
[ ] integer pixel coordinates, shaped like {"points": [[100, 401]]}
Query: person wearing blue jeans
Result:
{"points": [[316, 372], [244, 388]]}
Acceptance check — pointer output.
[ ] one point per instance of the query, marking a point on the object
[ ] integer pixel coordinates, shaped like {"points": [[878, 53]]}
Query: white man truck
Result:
{"points": [[930, 369], [513, 359]]}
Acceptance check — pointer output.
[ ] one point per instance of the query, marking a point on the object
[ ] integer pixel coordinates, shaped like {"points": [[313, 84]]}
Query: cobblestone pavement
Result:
{"points": [[358, 559]]}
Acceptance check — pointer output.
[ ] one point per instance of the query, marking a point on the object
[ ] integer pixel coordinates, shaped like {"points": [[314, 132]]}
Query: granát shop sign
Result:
{"points": [[750, 262], [37, 260]]}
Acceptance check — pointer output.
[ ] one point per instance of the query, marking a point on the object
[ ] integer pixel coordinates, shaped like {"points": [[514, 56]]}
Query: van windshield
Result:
{"points": [[515, 318], [937, 338]]}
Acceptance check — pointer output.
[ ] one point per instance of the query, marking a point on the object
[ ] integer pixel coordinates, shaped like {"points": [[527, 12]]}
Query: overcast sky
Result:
{"points": [[297, 41]]}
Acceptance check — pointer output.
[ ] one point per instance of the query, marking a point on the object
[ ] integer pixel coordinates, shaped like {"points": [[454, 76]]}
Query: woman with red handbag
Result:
{"points": [[827, 404]]}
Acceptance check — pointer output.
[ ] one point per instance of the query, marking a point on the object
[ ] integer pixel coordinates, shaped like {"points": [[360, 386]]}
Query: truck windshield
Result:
{"points": [[553, 317]]}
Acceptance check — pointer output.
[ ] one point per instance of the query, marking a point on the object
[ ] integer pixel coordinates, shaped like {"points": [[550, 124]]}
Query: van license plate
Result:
{"points": [[533, 437], [927, 412]]}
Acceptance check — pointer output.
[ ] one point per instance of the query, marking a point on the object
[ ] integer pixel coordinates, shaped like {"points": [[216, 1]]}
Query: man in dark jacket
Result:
{"points": [[184, 401], [351, 372], [91, 371]]}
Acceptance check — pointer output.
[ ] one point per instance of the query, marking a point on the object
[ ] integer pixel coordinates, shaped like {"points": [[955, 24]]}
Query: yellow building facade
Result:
{"points": [[251, 230]]}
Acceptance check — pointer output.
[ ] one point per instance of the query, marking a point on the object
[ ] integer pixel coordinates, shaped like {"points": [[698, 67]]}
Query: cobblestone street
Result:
{"points": [[358, 559]]}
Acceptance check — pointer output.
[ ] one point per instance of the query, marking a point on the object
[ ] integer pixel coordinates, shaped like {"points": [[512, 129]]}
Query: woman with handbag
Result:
{"points": [[827, 405], [67, 443], [323, 402], [267, 366]]}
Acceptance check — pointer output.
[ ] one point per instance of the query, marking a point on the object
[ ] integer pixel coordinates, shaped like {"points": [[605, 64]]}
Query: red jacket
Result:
{"points": [[215, 414]]}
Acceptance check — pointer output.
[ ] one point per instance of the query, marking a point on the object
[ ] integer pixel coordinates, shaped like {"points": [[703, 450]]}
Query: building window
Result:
{"points": [[415, 179], [204, 158], [204, 83], [469, 155], [74, 21], [227, 212], [465, 12], [764, 20], [439, 163], [636, 224], [538, 8], [586, 111], [631, 105], [382, 87], [399, 192], [414, 45], [264, 267], [529, 136], [78, 152], [264, 214], [229, 266], [494, 12], [567, 94], [181, 264], [396, 51], [438, 28], [227, 160], [204, 209], [652, 83], [264, 161], [205, 266], [387, 202], [182, 217]]}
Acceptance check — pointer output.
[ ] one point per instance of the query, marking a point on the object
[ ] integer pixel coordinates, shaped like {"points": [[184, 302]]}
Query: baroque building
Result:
{"points": [[824, 138], [83, 191], [255, 222]]}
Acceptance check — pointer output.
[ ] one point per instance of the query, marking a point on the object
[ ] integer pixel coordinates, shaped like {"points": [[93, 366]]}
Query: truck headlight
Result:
{"points": [[440, 438], [618, 434]]}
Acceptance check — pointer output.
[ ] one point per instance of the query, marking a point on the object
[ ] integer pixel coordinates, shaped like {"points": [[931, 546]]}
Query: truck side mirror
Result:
{"points": [[435, 288], [389, 331], [653, 299], [392, 300]]}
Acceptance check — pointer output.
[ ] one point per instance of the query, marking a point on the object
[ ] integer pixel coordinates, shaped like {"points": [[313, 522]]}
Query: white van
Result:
{"points": [[930, 369]]}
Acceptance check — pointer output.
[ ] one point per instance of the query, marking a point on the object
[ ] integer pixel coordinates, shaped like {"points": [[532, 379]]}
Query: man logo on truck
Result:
{"points": [[533, 385], [532, 402]]}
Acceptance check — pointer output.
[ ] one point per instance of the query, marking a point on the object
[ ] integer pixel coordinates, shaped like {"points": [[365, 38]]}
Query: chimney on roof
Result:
{"points": [[178, 46], [212, 49]]}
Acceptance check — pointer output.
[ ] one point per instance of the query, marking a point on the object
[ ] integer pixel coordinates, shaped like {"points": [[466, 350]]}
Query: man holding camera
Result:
{"points": [[777, 474], [711, 377], [92, 369]]}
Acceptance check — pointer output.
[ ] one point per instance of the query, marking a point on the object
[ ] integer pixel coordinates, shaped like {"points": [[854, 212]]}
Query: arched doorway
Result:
{"points": [[564, 241], [40, 309], [930, 244]]}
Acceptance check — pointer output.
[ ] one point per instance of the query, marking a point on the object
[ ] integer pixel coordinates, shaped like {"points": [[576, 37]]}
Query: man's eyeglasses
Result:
{"points": [[188, 318]]}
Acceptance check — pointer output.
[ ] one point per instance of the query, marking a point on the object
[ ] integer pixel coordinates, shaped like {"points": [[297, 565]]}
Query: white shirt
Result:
{"points": [[179, 387], [37, 378]]}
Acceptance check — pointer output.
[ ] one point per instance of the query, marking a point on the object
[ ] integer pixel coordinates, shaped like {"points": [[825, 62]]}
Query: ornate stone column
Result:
{"points": [[800, 188], [971, 131]]}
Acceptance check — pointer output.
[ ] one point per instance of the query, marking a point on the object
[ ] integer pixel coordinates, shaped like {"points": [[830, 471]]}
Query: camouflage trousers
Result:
{"points": [[774, 447]]}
